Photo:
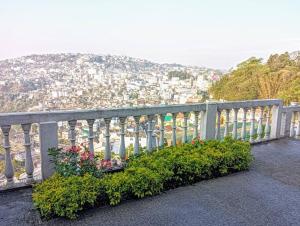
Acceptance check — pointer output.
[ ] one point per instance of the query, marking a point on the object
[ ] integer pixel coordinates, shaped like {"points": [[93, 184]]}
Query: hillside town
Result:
{"points": [[74, 81], [85, 81]]}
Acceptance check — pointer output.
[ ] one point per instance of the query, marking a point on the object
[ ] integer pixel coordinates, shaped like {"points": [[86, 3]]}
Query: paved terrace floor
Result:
{"points": [[268, 194]]}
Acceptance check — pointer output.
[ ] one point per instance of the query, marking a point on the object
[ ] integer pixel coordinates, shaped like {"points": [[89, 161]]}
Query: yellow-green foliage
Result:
{"points": [[65, 196], [145, 175], [279, 77]]}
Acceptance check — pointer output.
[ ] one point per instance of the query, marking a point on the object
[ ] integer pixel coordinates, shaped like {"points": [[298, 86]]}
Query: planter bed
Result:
{"points": [[144, 175]]}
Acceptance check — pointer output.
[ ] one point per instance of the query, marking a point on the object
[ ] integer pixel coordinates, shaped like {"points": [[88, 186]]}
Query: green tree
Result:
{"points": [[279, 77], [241, 83]]}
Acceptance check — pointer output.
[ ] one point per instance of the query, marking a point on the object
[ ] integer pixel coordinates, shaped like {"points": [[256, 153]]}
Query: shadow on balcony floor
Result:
{"points": [[268, 194]]}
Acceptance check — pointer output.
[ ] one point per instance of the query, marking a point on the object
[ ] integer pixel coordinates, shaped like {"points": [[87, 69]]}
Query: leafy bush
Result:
{"points": [[116, 187], [65, 196], [144, 181], [145, 175]]}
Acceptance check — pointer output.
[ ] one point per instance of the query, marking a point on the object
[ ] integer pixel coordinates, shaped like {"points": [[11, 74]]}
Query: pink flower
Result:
{"points": [[84, 156], [106, 163], [91, 155], [74, 149]]}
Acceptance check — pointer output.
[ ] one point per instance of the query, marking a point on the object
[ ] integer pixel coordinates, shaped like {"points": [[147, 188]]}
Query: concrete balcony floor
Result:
{"points": [[267, 194]]}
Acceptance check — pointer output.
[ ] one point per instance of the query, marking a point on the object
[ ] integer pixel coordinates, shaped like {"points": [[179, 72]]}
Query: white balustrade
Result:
{"points": [[195, 134], [292, 128], [252, 126], [298, 127], [185, 127], [226, 130], [107, 153], [218, 131], [162, 130], [260, 123], [149, 132], [9, 170], [244, 124], [72, 124], [122, 151], [210, 127], [137, 132], [174, 115], [267, 127], [235, 123], [91, 134], [154, 135], [28, 158]]}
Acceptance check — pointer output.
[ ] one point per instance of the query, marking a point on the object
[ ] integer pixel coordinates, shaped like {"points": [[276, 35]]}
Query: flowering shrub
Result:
{"points": [[106, 164], [145, 175], [74, 160]]}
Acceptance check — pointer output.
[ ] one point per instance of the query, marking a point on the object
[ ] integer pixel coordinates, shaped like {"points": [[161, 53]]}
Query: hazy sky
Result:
{"points": [[210, 33]]}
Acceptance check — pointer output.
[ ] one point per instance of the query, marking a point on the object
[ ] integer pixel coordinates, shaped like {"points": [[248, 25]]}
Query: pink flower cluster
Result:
{"points": [[73, 149], [86, 155], [105, 164], [82, 155]]}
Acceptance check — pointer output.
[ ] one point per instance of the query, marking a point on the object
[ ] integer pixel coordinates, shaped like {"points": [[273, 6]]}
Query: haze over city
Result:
{"points": [[216, 34]]}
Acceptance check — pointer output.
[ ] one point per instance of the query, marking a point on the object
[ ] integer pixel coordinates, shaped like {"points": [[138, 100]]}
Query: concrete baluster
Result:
{"points": [[218, 132], [292, 128], [185, 127], [244, 124], [28, 160], [226, 133], [91, 134], [260, 123], [154, 137], [149, 132], [268, 128], [72, 124], [9, 170], [107, 153], [122, 150], [195, 135], [137, 131], [235, 123], [174, 129], [162, 131], [252, 126], [298, 127]]}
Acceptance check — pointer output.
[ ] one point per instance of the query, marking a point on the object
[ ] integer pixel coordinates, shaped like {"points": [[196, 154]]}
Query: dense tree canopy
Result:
{"points": [[279, 77]]}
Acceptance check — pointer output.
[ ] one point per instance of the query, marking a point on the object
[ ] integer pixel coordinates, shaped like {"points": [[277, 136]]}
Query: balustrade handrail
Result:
{"points": [[291, 108], [247, 104], [67, 115]]}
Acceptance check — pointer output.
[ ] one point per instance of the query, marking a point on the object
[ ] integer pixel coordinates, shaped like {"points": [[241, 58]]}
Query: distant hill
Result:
{"points": [[79, 80], [105, 63]]}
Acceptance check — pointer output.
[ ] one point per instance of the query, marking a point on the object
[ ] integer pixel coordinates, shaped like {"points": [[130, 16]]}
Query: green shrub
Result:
{"points": [[116, 187], [145, 175], [144, 181], [65, 196]]}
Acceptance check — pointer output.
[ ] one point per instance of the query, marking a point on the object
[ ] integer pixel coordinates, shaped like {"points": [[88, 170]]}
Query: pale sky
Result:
{"points": [[212, 33]]}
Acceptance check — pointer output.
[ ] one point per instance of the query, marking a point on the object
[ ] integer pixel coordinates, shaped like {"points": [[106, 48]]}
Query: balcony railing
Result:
{"points": [[267, 119]]}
